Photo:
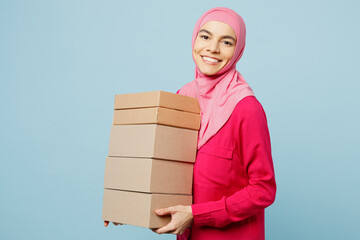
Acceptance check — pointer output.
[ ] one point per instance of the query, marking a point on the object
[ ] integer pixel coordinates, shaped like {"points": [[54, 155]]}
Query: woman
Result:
{"points": [[233, 173]]}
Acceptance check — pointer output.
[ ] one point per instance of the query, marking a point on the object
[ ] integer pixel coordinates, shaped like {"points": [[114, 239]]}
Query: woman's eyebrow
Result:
{"points": [[225, 36]]}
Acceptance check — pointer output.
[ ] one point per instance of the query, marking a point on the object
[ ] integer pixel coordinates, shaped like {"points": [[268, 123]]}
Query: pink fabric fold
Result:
{"points": [[218, 94]]}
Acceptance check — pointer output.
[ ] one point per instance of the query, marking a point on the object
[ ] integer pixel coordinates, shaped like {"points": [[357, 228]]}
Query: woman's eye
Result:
{"points": [[204, 37], [228, 43]]}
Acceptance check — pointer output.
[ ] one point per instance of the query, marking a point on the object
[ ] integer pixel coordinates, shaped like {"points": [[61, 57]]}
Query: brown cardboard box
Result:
{"points": [[148, 175], [153, 141], [152, 144], [138, 209], [157, 99], [159, 115]]}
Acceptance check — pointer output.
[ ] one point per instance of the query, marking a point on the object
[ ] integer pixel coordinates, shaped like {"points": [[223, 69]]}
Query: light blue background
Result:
{"points": [[62, 62]]}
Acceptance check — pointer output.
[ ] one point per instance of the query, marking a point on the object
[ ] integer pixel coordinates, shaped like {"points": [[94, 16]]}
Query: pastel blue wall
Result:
{"points": [[62, 62]]}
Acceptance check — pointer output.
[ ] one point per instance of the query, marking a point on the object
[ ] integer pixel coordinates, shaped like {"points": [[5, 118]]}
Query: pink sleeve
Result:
{"points": [[255, 152]]}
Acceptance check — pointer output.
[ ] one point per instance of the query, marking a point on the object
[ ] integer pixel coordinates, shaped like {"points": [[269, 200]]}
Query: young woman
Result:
{"points": [[233, 173]]}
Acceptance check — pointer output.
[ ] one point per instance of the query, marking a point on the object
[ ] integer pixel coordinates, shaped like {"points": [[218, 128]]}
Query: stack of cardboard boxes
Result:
{"points": [[152, 149]]}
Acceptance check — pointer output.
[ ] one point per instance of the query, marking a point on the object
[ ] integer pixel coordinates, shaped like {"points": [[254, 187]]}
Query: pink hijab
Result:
{"points": [[218, 94]]}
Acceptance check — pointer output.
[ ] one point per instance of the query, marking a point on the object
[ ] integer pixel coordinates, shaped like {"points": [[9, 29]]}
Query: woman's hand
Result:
{"points": [[181, 219], [106, 223]]}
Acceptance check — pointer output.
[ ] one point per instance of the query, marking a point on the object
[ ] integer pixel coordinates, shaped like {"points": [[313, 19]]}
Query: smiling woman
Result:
{"points": [[214, 47], [233, 173]]}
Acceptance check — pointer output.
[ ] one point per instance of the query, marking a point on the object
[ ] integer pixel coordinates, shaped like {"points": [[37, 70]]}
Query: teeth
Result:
{"points": [[210, 59]]}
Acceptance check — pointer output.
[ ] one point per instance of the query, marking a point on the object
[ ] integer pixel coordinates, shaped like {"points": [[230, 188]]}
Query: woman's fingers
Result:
{"points": [[170, 226], [181, 218], [106, 223], [166, 229], [154, 229], [116, 224], [165, 211]]}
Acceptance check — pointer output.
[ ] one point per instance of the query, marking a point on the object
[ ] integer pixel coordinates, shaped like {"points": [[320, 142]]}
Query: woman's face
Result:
{"points": [[214, 47]]}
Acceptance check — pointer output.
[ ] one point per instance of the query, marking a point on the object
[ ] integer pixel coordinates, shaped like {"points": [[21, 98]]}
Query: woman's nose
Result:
{"points": [[214, 47]]}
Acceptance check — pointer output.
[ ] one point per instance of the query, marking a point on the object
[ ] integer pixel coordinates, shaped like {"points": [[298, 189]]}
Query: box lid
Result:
{"points": [[157, 99], [157, 115]]}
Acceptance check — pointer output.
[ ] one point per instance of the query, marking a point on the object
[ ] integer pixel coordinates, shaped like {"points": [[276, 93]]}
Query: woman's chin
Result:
{"points": [[209, 72]]}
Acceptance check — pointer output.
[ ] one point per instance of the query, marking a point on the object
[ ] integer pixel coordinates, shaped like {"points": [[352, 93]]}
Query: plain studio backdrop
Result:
{"points": [[62, 62]]}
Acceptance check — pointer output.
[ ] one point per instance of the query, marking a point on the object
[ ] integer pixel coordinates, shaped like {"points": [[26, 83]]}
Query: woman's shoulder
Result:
{"points": [[249, 107]]}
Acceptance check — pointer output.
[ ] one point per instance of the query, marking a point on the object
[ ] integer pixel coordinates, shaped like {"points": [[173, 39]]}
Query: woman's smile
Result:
{"points": [[210, 60], [214, 47]]}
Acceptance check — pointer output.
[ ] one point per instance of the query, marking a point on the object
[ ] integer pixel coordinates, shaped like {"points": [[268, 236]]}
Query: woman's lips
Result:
{"points": [[210, 60]]}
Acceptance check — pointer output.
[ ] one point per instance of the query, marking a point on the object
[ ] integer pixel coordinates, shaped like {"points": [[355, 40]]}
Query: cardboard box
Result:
{"points": [[159, 115], [157, 99], [138, 209], [148, 175], [153, 141]]}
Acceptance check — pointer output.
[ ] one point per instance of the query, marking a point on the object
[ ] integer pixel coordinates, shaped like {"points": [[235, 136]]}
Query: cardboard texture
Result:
{"points": [[153, 141], [148, 175], [157, 99], [138, 209], [159, 115]]}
